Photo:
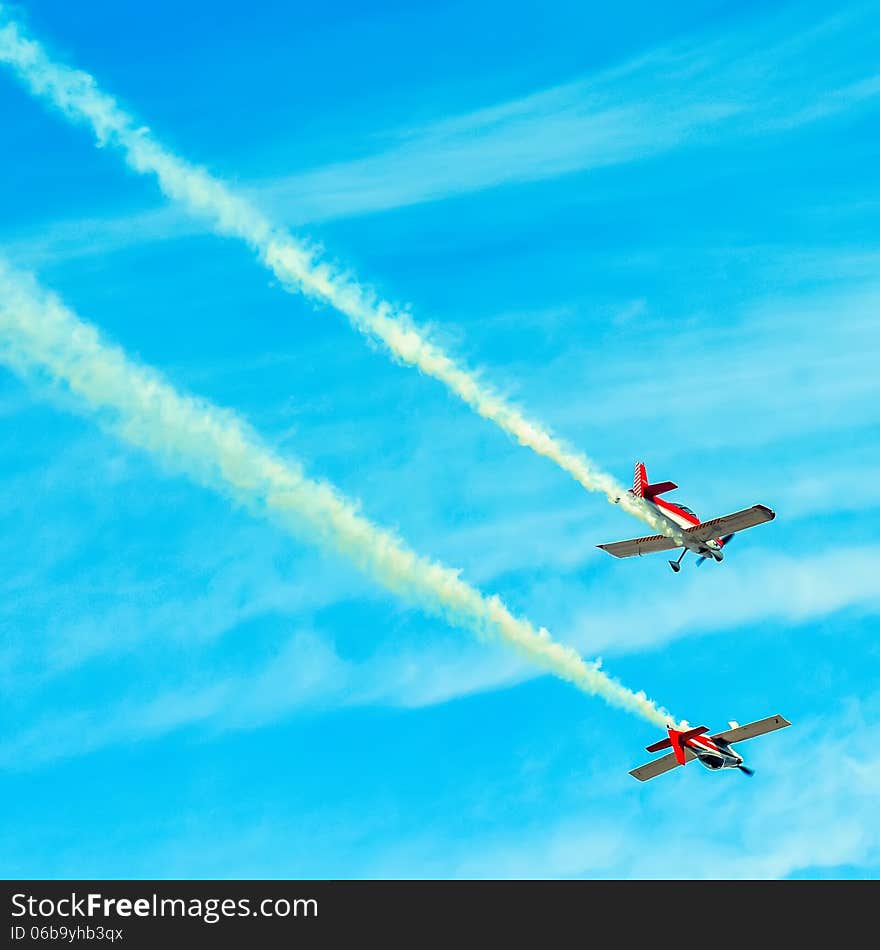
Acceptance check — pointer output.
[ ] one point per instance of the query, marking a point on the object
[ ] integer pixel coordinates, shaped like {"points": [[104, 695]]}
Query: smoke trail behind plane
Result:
{"points": [[294, 263], [40, 337]]}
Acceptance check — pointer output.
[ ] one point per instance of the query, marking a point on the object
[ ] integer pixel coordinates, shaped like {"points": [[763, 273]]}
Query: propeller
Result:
{"points": [[746, 770], [724, 542]]}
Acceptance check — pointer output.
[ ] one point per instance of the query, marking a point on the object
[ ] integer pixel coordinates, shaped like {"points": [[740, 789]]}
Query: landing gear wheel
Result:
{"points": [[675, 566]]}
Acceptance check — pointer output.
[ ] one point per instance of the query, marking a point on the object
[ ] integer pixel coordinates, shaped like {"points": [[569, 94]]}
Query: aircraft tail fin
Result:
{"points": [[643, 489], [640, 480], [677, 740]]}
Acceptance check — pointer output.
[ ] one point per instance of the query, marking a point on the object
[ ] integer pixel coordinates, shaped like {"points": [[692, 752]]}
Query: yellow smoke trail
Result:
{"points": [[39, 336], [295, 264]]}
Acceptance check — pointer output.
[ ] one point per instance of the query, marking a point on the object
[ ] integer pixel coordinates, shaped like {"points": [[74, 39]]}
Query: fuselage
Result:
{"points": [[680, 516], [714, 754]]}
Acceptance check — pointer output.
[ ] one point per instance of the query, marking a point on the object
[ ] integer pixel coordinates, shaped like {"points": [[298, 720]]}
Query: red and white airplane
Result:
{"points": [[715, 752], [704, 538]]}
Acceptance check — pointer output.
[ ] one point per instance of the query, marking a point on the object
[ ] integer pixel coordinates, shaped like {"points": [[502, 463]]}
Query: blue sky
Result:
{"points": [[654, 229]]}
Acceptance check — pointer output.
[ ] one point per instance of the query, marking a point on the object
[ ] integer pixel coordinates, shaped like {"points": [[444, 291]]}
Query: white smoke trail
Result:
{"points": [[38, 335], [295, 264]]}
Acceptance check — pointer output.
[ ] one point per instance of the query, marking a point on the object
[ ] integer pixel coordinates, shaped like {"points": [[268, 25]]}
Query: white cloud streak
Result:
{"points": [[738, 85], [39, 336], [293, 262], [771, 835]]}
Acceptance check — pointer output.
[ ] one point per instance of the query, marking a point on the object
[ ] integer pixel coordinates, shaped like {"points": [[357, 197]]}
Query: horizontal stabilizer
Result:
{"points": [[684, 736], [659, 488], [657, 746]]}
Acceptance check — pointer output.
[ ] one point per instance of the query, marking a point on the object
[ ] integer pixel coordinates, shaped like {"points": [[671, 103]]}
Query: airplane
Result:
{"points": [[715, 752], [704, 538]]}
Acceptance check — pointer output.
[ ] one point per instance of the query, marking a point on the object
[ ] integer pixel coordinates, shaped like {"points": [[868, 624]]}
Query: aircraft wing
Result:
{"points": [[657, 542], [730, 524], [658, 766], [752, 729]]}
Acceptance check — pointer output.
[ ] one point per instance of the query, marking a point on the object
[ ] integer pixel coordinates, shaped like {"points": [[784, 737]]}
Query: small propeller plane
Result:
{"points": [[704, 538], [715, 752]]}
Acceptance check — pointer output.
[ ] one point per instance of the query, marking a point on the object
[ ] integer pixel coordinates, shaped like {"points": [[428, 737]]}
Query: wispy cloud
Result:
{"points": [[782, 588], [40, 337], [744, 832], [700, 91], [715, 380], [790, 591], [306, 671], [611, 828], [296, 264]]}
